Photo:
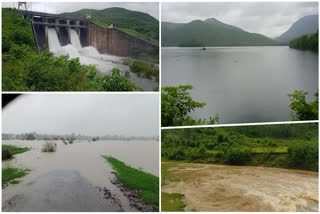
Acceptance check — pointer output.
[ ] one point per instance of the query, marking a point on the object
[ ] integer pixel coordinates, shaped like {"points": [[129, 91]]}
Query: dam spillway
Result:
{"points": [[106, 40]]}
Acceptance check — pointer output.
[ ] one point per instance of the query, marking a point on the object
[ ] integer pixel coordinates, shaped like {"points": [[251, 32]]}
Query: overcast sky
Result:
{"points": [[87, 114], [152, 8], [270, 19]]}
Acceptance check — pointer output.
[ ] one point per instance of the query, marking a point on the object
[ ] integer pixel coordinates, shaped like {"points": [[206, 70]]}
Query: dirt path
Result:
{"points": [[241, 188]]}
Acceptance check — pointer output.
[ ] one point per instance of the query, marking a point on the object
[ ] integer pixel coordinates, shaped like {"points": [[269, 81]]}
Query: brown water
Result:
{"points": [[81, 158], [244, 188]]}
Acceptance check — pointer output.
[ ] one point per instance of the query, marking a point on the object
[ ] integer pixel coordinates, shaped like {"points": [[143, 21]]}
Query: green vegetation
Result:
{"points": [[132, 22], [286, 146], [166, 175], [210, 32], [176, 104], [142, 68], [306, 42], [301, 109], [172, 202], [10, 175], [23, 69], [12, 150], [132, 178]]}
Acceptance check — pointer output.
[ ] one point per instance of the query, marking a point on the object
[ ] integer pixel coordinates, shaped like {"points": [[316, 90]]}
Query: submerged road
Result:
{"points": [[60, 190]]}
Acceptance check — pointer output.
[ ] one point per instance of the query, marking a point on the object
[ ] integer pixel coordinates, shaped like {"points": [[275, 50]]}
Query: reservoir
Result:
{"points": [[241, 84]]}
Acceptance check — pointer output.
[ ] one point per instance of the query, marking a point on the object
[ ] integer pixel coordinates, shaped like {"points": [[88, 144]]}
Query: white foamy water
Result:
{"points": [[91, 56]]}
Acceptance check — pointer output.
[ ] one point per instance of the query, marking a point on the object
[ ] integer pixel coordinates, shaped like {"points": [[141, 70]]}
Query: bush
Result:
{"points": [[303, 155], [49, 147], [6, 155], [238, 156], [116, 82]]}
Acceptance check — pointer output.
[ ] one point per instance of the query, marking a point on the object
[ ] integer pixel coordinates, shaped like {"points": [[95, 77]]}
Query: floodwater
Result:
{"points": [[79, 163], [222, 188], [241, 84], [90, 56]]}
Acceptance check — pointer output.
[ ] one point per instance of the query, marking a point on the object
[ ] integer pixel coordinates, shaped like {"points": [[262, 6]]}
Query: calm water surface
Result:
{"points": [[241, 84]]}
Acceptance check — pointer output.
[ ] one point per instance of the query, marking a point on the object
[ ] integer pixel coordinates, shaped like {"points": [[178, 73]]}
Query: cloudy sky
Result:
{"points": [[270, 19], [152, 8], [87, 114]]}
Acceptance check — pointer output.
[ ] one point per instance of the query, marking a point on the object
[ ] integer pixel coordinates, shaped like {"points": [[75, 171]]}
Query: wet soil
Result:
{"points": [[222, 188]]}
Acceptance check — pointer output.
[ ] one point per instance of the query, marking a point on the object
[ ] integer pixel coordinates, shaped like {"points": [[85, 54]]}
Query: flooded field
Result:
{"points": [[208, 187], [74, 173]]}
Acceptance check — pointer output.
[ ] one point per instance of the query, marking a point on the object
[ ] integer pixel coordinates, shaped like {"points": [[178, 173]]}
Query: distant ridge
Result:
{"points": [[305, 26], [210, 32]]}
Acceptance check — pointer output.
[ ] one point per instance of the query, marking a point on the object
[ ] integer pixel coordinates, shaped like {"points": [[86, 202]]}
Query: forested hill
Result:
{"points": [[307, 25], [210, 32], [133, 22]]}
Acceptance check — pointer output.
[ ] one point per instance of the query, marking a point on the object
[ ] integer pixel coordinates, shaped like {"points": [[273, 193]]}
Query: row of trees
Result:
{"points": [[286, 145], [306, 42]]}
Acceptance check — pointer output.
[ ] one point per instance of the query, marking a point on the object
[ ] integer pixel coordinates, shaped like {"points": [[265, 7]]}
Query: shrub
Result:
{"points": [[303, 155], [238, 156], [116, 82], [49, 147], [6, 155]]}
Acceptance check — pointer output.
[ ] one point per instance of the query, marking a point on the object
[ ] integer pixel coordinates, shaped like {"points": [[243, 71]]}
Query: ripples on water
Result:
{"points": [[241, 84]]}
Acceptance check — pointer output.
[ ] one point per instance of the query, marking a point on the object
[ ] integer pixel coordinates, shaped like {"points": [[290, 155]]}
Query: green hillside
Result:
{"points": [[210, 32], [142, 23]]}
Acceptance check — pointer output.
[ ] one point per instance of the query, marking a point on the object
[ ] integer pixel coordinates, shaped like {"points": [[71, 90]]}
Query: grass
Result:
{"points": [[14, 149], [132, 178], [260, 150], [143, 68], [12, 174], [166, 175], [172, 202]]}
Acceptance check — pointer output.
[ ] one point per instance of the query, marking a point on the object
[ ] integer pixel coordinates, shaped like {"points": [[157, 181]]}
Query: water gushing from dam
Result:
{"points": [[90, 56]]}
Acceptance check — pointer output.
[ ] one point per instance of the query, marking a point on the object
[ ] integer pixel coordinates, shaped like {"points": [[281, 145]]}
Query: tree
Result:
{"points": [[300, 108], [176, 104]]}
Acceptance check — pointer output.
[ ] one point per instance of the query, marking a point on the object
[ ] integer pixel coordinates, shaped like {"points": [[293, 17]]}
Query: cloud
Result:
{"points": [[151, 8], [268, 18], [87, 114]]}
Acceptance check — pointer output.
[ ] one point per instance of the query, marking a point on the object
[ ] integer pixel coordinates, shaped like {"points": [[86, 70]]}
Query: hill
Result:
{"points": [[305, 26], [210, 32], [133, 22]]}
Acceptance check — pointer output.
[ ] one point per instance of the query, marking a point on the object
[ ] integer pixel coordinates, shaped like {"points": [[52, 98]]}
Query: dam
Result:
{"points": [[106, 40], [105, 48]]}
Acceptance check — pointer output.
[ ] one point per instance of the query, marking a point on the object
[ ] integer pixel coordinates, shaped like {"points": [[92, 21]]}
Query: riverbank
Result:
{"points": [[140, 187], [210, 187]]}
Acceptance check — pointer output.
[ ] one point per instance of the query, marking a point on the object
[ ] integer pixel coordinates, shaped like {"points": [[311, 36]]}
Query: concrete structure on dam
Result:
{"points": [[106, 40]]}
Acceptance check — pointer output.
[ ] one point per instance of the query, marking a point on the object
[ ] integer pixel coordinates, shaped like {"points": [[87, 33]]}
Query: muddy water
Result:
{"points": [[81, 160], [241, 188]]}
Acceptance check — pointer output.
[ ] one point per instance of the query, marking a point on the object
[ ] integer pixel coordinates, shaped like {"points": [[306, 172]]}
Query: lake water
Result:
{"points": [[81, 161], [241, 84]]}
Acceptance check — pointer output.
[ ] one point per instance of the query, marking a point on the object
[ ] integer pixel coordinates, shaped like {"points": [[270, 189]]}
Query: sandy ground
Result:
{"points": [[75, 177], [244, 188]]}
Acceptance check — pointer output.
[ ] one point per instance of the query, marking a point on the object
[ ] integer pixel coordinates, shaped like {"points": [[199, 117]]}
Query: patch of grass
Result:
{"points": [[260, 150], [14, 149], [166, 175], [11, 174], [143, 68], [132, 178], [172, 202], [138, 35]]}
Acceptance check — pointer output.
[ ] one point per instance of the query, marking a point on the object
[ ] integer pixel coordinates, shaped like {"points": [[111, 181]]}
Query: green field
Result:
{"points": [[132, 178], [12, 174]]}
